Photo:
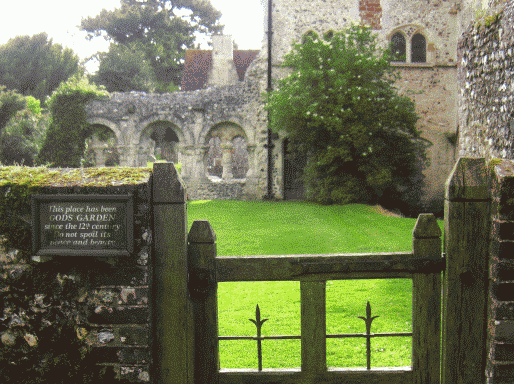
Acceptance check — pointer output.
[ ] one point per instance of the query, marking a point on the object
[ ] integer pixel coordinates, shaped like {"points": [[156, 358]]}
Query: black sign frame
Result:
{"points": [[37, 238]]}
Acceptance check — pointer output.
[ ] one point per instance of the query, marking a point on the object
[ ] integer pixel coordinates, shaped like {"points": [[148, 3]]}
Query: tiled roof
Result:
{"points": [[198, 63]]}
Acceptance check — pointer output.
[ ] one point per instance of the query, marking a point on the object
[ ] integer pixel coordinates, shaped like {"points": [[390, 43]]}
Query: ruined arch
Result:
{"points": [[227, 155], [111, 125], [234, 120], [185, 136], [159, 140]]}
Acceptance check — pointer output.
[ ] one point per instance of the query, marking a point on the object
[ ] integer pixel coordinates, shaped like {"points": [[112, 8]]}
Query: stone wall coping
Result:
{"points": [[423, 65], [67, 177]]}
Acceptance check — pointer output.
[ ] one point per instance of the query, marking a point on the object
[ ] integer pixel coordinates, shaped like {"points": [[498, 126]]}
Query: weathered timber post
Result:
{"points": [[426, 303], [173, 344], [314, 329], [203, 291], [467, 232]]}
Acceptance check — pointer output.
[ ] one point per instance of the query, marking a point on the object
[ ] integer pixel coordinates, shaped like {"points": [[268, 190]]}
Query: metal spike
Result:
{"points": [[368, 320], [258, 323]]}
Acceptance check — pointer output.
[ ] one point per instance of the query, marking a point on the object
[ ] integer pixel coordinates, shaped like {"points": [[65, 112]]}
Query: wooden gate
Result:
{"points": [[186, 274], [423, 265]]}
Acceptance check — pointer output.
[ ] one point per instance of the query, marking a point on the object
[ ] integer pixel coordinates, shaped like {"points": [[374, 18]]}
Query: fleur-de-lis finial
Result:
{"points": [[258, 323], [368, 319]]}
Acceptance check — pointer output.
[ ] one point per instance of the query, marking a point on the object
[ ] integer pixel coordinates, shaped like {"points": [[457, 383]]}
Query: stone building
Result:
{"points": [[219, 132]]}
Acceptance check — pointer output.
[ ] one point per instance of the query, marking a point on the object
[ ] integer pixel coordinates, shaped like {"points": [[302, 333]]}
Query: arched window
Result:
{"points": [[419, 49], [398, 47]]}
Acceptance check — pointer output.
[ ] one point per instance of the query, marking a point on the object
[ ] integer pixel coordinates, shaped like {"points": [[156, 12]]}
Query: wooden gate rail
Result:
{"points": [[325, 267], [424, 265]]}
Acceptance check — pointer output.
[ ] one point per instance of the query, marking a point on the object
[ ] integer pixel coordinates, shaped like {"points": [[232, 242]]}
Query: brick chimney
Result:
{"points": [[223, 71], [370, 13]]}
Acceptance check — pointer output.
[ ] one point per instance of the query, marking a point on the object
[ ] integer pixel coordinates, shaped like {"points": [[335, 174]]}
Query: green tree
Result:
{"points": [[161, 29], [343, 114], [123, 69], [35, 65], [23, 135], [65, 140], [10, 103]]}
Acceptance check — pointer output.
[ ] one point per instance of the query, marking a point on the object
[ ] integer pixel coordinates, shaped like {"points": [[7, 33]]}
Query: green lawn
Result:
{"points": [[275, 228]]}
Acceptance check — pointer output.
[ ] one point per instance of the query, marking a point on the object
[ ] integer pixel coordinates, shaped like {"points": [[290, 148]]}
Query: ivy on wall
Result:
{"points": [[65, 141]]}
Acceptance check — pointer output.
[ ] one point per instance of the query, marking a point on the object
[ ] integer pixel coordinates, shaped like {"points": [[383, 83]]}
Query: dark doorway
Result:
{"points": [[293, 167]]}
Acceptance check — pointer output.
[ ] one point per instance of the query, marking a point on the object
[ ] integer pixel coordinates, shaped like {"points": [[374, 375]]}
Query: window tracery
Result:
{"points": [[408, 45]]}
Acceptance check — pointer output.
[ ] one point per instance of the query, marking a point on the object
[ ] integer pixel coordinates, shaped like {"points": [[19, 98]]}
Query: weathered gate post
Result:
{"points": [[467, 232], [203, 290], [173, 344], [426, 304]]}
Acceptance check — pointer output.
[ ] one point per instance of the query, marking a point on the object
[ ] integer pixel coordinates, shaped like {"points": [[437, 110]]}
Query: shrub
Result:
{"points": [[342, 113]]}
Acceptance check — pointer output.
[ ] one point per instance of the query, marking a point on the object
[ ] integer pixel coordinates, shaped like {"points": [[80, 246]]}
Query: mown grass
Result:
{"points": [[275, 228]]}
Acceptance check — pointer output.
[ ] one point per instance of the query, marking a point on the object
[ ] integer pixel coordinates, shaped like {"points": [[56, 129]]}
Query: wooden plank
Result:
{"points": [[426, 327], [467, 233], [313, 327], [203, 291], [325, 267], [173, 341], [333, 376], [426, 304]]}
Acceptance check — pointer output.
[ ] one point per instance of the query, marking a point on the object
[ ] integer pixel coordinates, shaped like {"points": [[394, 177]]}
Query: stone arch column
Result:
{"points": [[145, 151], [124, 155], [199, 160], [186, 155], [226, 160], [251, 161]]}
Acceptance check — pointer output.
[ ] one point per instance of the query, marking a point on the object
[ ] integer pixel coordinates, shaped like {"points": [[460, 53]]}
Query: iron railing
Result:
{"points": [[258, 322]]}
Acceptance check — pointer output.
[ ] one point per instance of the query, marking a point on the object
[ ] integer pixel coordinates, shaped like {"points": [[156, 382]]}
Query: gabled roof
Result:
{"points": [[198, 63]]}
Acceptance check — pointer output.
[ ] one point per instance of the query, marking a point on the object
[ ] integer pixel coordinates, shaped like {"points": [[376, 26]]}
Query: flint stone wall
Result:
{"points": [[486, 87]]}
